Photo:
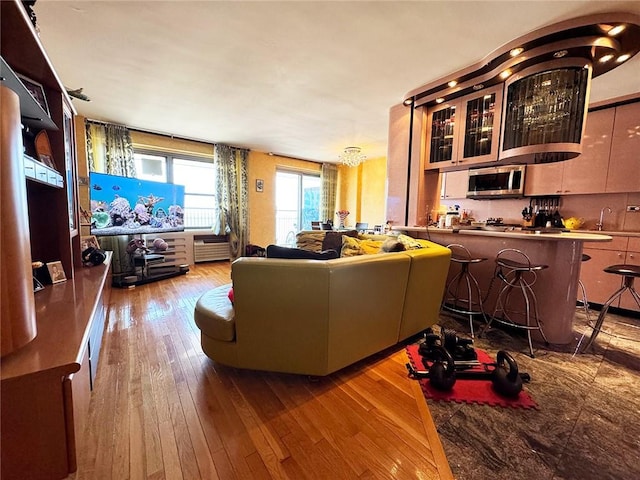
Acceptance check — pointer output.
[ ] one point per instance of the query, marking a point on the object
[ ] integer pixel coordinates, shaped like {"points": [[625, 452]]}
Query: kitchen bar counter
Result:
{"points": [[576, 235], [555, 287]]}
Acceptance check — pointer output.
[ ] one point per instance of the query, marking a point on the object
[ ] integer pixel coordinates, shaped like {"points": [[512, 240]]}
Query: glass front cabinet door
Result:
{"points": [[465, 131], [480, 126], [442, 136]]}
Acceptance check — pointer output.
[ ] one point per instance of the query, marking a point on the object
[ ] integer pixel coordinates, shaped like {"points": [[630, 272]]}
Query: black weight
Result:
{"points": [[506, 382], [93, 256], [442, 373]]}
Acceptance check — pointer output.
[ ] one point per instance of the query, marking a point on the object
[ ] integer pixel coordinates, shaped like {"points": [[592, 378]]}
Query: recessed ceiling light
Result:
{"points": [[605, 58], [560, 53], [505, 74], [616, 30], [623, 58], [439, 100], [516, 51], [479, 86], [452, 83], [408, 101]]}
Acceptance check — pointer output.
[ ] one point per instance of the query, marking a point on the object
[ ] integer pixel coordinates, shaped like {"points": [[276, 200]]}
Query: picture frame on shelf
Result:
{"points": [[56, 272], [36, 90], [88, 241]]}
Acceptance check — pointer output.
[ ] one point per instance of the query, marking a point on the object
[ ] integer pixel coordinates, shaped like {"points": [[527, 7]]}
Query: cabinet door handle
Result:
{"points": [[631, 255]]}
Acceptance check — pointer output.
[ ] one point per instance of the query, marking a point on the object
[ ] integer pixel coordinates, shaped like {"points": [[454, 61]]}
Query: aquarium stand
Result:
{"points": [[149, 268]]}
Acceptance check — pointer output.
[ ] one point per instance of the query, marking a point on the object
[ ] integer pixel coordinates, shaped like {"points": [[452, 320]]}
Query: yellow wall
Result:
{"points": [[262, 205], [362, 191]]}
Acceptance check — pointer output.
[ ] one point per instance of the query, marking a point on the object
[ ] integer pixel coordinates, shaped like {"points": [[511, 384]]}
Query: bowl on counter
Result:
{"points": [[573, 223]]}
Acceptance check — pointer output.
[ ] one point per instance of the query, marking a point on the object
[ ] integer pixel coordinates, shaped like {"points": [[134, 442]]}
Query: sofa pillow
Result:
{"points": [[230, 295], [310, 240], [410, 243], [276, 251], [333, 240], [391, 245], [352, 246]]}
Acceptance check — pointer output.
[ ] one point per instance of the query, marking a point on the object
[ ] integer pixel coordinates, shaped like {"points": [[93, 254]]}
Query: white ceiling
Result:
{"points": [[298, 78]]}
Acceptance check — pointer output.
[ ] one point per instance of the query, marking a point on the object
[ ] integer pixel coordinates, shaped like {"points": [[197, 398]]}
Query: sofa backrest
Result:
{"points": [[319, 315]]}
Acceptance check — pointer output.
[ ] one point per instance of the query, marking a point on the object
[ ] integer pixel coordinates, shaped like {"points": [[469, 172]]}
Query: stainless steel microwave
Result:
{"points": [[496, 182]]}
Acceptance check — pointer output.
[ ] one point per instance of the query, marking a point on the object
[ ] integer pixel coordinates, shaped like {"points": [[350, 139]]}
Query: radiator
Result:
{"points": [[208, 251]]}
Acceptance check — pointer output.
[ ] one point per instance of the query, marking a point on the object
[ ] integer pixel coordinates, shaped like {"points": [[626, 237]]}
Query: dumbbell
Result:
{"points": [[443, 375]]}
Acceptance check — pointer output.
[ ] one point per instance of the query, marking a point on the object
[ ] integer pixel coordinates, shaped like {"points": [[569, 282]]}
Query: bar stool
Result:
{"points": [[520, 274], [629, 273], [585, 302], [453, 301]]}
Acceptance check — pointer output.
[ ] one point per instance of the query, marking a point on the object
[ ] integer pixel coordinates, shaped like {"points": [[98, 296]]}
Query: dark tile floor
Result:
{"points": [[588, 422]]}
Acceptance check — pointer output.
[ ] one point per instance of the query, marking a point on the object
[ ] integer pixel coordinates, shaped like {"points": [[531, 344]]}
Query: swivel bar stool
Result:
{"points": [[471, 304], [517, 272], [585, 302], [629, 273]]}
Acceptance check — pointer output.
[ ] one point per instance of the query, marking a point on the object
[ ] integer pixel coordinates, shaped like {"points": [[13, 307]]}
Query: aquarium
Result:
{"points": [[129, 206]]}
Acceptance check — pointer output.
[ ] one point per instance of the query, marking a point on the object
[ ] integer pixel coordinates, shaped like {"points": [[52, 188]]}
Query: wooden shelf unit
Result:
{"points": [[47, 371]]}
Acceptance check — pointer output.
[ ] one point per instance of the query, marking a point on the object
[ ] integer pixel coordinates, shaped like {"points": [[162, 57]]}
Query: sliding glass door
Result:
{"points": [[297, 204]]}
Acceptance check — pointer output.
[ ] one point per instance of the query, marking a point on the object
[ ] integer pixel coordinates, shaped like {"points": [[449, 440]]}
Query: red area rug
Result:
{"points": [[469, 391]]}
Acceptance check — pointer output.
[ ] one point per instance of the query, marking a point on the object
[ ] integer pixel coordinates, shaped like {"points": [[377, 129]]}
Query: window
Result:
{"points": [[196, 174], [297, 204]]}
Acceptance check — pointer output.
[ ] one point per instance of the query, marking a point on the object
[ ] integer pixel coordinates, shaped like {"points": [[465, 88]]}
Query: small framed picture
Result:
{"points": [[259, 185], [89, 241], [56, 272], [36, 90]]}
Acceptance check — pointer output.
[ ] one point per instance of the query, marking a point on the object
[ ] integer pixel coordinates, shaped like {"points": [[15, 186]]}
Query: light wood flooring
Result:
{"points": [[162, 410]]}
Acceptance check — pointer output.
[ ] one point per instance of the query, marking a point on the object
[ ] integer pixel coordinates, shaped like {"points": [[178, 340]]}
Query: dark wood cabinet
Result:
{"points": [[51, 338]]}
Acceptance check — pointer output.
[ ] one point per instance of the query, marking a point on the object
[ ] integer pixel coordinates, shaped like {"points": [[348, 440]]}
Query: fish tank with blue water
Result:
{"points": [[130, 206]]}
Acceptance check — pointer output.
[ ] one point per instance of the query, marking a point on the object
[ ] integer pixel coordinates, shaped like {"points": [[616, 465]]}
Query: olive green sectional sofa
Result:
{"points": [[315, 317]]}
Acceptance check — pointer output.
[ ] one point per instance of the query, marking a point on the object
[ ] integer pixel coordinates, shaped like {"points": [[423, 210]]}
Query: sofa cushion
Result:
{"points": [[310, 240], [411, 243], [391, 245], [276, 251], [333, 240], [354, 246], [214, 314]]}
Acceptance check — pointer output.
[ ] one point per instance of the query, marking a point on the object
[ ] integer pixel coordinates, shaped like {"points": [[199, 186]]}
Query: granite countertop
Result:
{"points": [[579, 235]]}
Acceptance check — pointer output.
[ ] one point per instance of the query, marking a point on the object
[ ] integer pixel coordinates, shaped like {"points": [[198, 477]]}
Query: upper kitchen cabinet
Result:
{"points": [[480, 126], [454, 185], [624, 165], [544, 112], [442, 136], [586, 173], [465, 132]]}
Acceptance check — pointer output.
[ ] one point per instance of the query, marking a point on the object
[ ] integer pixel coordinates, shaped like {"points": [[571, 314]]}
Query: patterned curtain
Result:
{"points": [[329, 179], [232, 218], [109, 150]]}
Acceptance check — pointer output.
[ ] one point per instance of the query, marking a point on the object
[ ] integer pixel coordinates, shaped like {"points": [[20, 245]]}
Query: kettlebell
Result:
{"points": [[442, 374], [506, 382]]}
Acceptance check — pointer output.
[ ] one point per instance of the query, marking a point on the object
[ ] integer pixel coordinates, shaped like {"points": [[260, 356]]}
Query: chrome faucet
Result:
{"points": [[600, 224]]}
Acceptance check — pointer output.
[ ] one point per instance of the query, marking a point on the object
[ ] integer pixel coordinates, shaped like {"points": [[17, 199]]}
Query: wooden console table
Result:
{"points": [[46, 385]]}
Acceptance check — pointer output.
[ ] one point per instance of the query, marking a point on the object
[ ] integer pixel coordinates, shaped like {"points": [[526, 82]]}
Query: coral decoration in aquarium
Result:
{"points": [[129, 206]]}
